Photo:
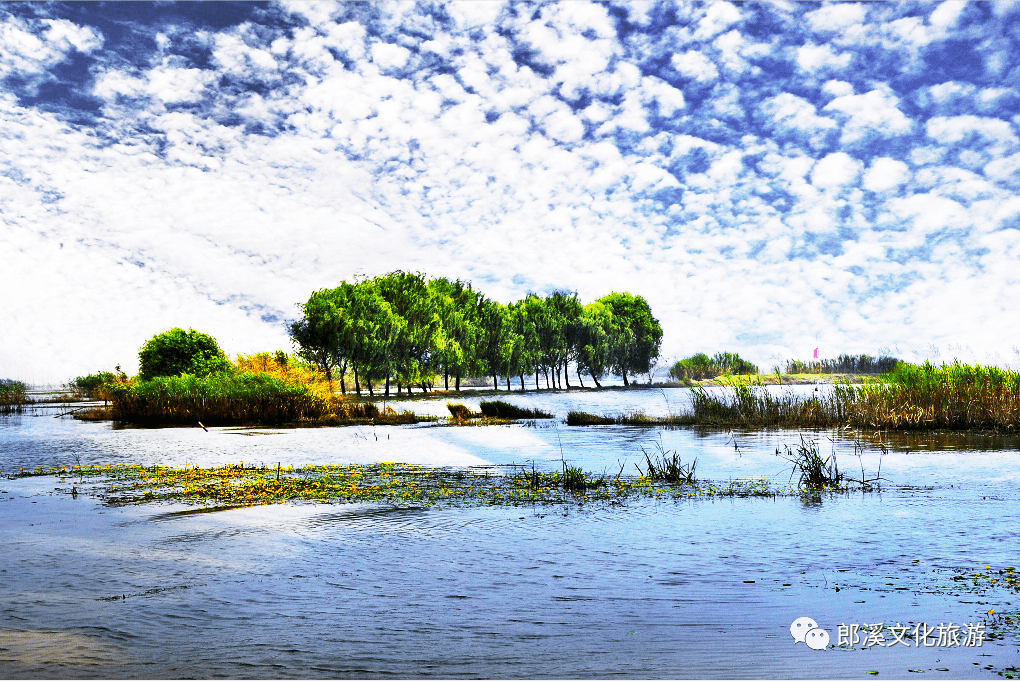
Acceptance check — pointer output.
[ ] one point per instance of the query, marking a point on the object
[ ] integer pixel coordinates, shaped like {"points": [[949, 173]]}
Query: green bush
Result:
{"points": [[91, 387], [176, 352], [701, 366]]}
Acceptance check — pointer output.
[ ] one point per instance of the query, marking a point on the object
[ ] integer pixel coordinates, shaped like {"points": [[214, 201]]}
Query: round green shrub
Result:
{"points": [[177, 352]]}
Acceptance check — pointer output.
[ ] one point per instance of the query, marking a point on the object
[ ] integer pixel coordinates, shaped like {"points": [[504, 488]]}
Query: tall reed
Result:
{"points": [[228, 399], [844, 364], [13, 396], [954, 397]]}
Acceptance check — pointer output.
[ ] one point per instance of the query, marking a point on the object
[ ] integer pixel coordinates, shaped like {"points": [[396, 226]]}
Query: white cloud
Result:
{"points": [[885, 174], [837, 88], [389, 56], [835, 170], [719, 16], [947, 14], [836, 17], [812, 58], [971, 129], [872, 114], [791, 113], [694, 64]]}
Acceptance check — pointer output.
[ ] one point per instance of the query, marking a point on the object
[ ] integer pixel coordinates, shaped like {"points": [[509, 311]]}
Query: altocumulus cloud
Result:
{"points": [[765, 174]]}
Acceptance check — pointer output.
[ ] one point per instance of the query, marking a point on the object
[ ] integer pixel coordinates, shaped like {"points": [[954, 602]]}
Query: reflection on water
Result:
{"points": [[678, 589]]}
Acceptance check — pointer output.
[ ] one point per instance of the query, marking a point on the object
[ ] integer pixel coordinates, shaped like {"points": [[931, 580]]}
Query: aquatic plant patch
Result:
{"points": [[390, 483]]}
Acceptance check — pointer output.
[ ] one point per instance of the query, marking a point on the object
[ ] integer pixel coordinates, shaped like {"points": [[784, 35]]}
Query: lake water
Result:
{"points": [[700, 588]]}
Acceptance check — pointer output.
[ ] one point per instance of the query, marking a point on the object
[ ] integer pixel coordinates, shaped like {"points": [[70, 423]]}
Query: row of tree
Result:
{"points": [[406, 330]]}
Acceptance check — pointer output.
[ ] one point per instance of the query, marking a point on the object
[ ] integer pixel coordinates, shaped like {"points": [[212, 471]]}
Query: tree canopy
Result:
{"points": [[405, 329], [177, 352]]}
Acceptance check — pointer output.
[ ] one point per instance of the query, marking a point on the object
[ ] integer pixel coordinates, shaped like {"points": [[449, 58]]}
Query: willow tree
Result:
{"points": [[455, 303], [633, 352], [323, 335], [413, 344]]}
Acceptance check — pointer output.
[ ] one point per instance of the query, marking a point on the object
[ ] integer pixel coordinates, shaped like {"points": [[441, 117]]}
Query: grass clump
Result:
{"points": [[459, 411], [581, 418], [815, 471], [505, 410], [667, 467], [13, 396]]}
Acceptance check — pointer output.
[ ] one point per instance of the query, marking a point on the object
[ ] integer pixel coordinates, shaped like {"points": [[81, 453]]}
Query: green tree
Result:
{"points": [[456, 304], [177, 352], [324, 335], [495, 339], [633, 352], [413, 345], [567, 314], [598, 334]]}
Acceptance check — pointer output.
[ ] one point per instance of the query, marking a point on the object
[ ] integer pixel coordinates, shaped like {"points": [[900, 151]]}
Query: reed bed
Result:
{"points": [[581, 418], [925, 397], [505, 410], [13, 396], [844, 364], [389, 483], [951, 397], [240, 398]]}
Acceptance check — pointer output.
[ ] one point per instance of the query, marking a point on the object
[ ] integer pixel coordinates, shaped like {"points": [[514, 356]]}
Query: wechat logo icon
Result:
{"points": [[805, 630]]}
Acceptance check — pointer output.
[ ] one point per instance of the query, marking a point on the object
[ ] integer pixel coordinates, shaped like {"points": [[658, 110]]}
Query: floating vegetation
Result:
{"points": [[505, 410], [390, 483], [13, 397]]}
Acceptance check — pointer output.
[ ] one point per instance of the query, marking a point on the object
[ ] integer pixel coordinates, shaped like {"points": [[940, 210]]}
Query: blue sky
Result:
{"points": [[771, 177]]}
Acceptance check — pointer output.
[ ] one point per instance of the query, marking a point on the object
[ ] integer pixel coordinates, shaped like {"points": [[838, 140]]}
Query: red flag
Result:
{"points": [[816, 353]]}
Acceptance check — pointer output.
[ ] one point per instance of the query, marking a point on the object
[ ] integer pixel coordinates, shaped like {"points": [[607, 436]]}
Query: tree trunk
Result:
{"points": [[566, 374], [457, 381], [398, 388], [508, 384], [387, 384], [424, 388], [446, 378], [536, 380], [625, 381], [495, 384], [580, 380], [522, 382], [597, 384], [357, 383], [369, 384], [545, 370]]}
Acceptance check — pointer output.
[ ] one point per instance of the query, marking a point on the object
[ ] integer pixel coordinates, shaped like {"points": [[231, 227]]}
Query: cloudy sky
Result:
{"points": [[771, 177]]}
